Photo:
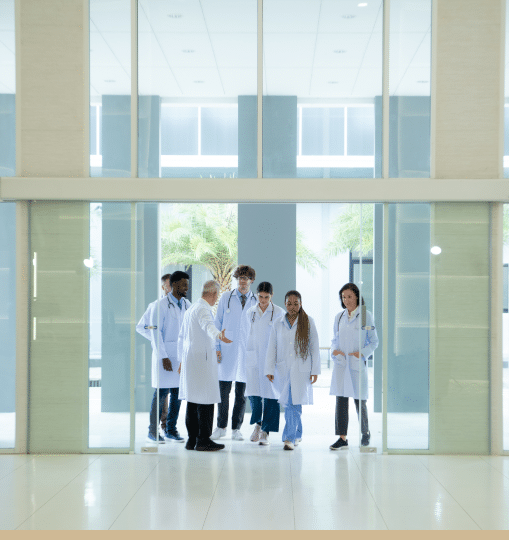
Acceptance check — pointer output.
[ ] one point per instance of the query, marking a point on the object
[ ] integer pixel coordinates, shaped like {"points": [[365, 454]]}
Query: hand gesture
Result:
{"points": [[337, 351], [313, 378], [271, 378], [356, 354], [224, 339]]}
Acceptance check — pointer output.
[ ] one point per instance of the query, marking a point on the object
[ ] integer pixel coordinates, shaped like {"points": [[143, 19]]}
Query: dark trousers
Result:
{"points": [[239, 406], [265, 413], [173, 410], [199, 420], [342, 415]]}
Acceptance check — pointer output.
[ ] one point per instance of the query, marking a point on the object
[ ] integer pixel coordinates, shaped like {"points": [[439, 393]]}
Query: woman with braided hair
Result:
{"points": [[294, 351]]}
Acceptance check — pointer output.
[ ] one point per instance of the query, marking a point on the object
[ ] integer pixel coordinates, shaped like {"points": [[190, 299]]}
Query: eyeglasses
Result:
{"points": [[243, 278]]}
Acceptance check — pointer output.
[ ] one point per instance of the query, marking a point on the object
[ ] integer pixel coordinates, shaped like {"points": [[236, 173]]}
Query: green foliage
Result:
{"points": [[346, 230], [207, 234]]}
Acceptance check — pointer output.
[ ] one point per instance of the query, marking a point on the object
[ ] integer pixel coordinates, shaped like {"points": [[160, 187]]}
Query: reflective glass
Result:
{"points": [[110, 88], [410, 88], [408, 347], [8, 324], [331, 252], [7, 90], [505, 326], [110, 329], [322, 88], [506, 95], [197, 88]]}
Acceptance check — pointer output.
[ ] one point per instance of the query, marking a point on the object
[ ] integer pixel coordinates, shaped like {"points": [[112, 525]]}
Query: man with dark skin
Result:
{"points": [[165, 375]]}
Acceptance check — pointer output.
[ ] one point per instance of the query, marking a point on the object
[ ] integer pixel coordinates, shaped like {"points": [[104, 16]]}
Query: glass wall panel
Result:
{"points": [[8, 324], [331, 252], [410, 89], [506, 95], [111, 282], [110, 88], [7, 90], [408, 299], [197, 88], [505, 326], [322, 88]]}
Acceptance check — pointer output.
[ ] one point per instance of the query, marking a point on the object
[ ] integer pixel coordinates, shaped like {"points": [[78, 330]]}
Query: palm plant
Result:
{"points": [[346, 231], [207, 235]]}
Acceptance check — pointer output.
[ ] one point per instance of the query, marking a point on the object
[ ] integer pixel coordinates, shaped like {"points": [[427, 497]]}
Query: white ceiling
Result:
{"points": [[207, 48]]}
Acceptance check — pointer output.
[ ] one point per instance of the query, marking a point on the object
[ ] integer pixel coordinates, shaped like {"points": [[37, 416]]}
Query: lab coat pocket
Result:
{"points": [[251, 359], [354, 363]]}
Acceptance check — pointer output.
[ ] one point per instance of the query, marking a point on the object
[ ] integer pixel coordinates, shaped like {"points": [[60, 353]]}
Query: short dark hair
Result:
{"points": [[177, 276], [244, 270], [265, 286], [165, 277], [350, 287]]}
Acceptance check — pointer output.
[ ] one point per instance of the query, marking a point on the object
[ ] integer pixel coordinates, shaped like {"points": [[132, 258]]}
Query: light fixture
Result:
{"points": [[348, 16], [188, 50], [89, 263], [175, 15], [109, 80], [198, 82], [436, 250], [339, 51], [333, 82], [423, 82], [363, 4]]}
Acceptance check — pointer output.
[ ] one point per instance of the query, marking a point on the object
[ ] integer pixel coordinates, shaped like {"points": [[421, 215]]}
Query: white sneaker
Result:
{"points": [[264, 438], [218, 433], [255, 436], [288, 446], [237, 435], [297, 441]]}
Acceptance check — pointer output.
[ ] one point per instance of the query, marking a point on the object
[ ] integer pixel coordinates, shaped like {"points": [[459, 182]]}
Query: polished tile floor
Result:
{"points": [[247, 486]]}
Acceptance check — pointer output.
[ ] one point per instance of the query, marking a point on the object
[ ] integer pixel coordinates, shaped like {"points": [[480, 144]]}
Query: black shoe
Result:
{"points": [[208, 446], [365, 439], [339, 444], [190, 444]]}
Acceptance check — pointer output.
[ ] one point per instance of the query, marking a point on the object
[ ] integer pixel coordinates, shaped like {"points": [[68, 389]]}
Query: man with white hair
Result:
{"points": [[199, 381]]}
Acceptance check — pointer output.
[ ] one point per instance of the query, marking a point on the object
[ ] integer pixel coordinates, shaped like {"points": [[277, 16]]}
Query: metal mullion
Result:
{"points": [[134, 88], [259, 92], [385, 88]]}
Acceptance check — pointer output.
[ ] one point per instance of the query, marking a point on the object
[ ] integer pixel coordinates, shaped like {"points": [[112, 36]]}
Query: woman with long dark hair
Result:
{"points": [[294, 352], [352, 343], [254, 335]]}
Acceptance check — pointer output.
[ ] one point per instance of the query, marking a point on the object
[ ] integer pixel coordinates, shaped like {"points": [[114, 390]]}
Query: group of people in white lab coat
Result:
{"points": [[272, 354]]}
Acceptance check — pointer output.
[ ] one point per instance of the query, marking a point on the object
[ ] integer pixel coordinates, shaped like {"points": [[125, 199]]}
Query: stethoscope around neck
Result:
{"points": [[171, 304], [231, 294], [271, 315]]}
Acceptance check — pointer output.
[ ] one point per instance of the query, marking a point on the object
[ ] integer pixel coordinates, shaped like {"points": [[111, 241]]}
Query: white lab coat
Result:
{"points": [[345, 374], [199, 382], [292, 370], [168, 328], [253, 342], [228, 318], [146, 320]]}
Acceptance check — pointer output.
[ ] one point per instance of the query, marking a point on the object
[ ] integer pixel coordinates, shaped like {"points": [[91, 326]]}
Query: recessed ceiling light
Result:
{"points": [[363, 4], [109, 80], [423, 82], [175, 15], [333, 82], [339, 51], [348, 16], [188, 50], [198, 82]]}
